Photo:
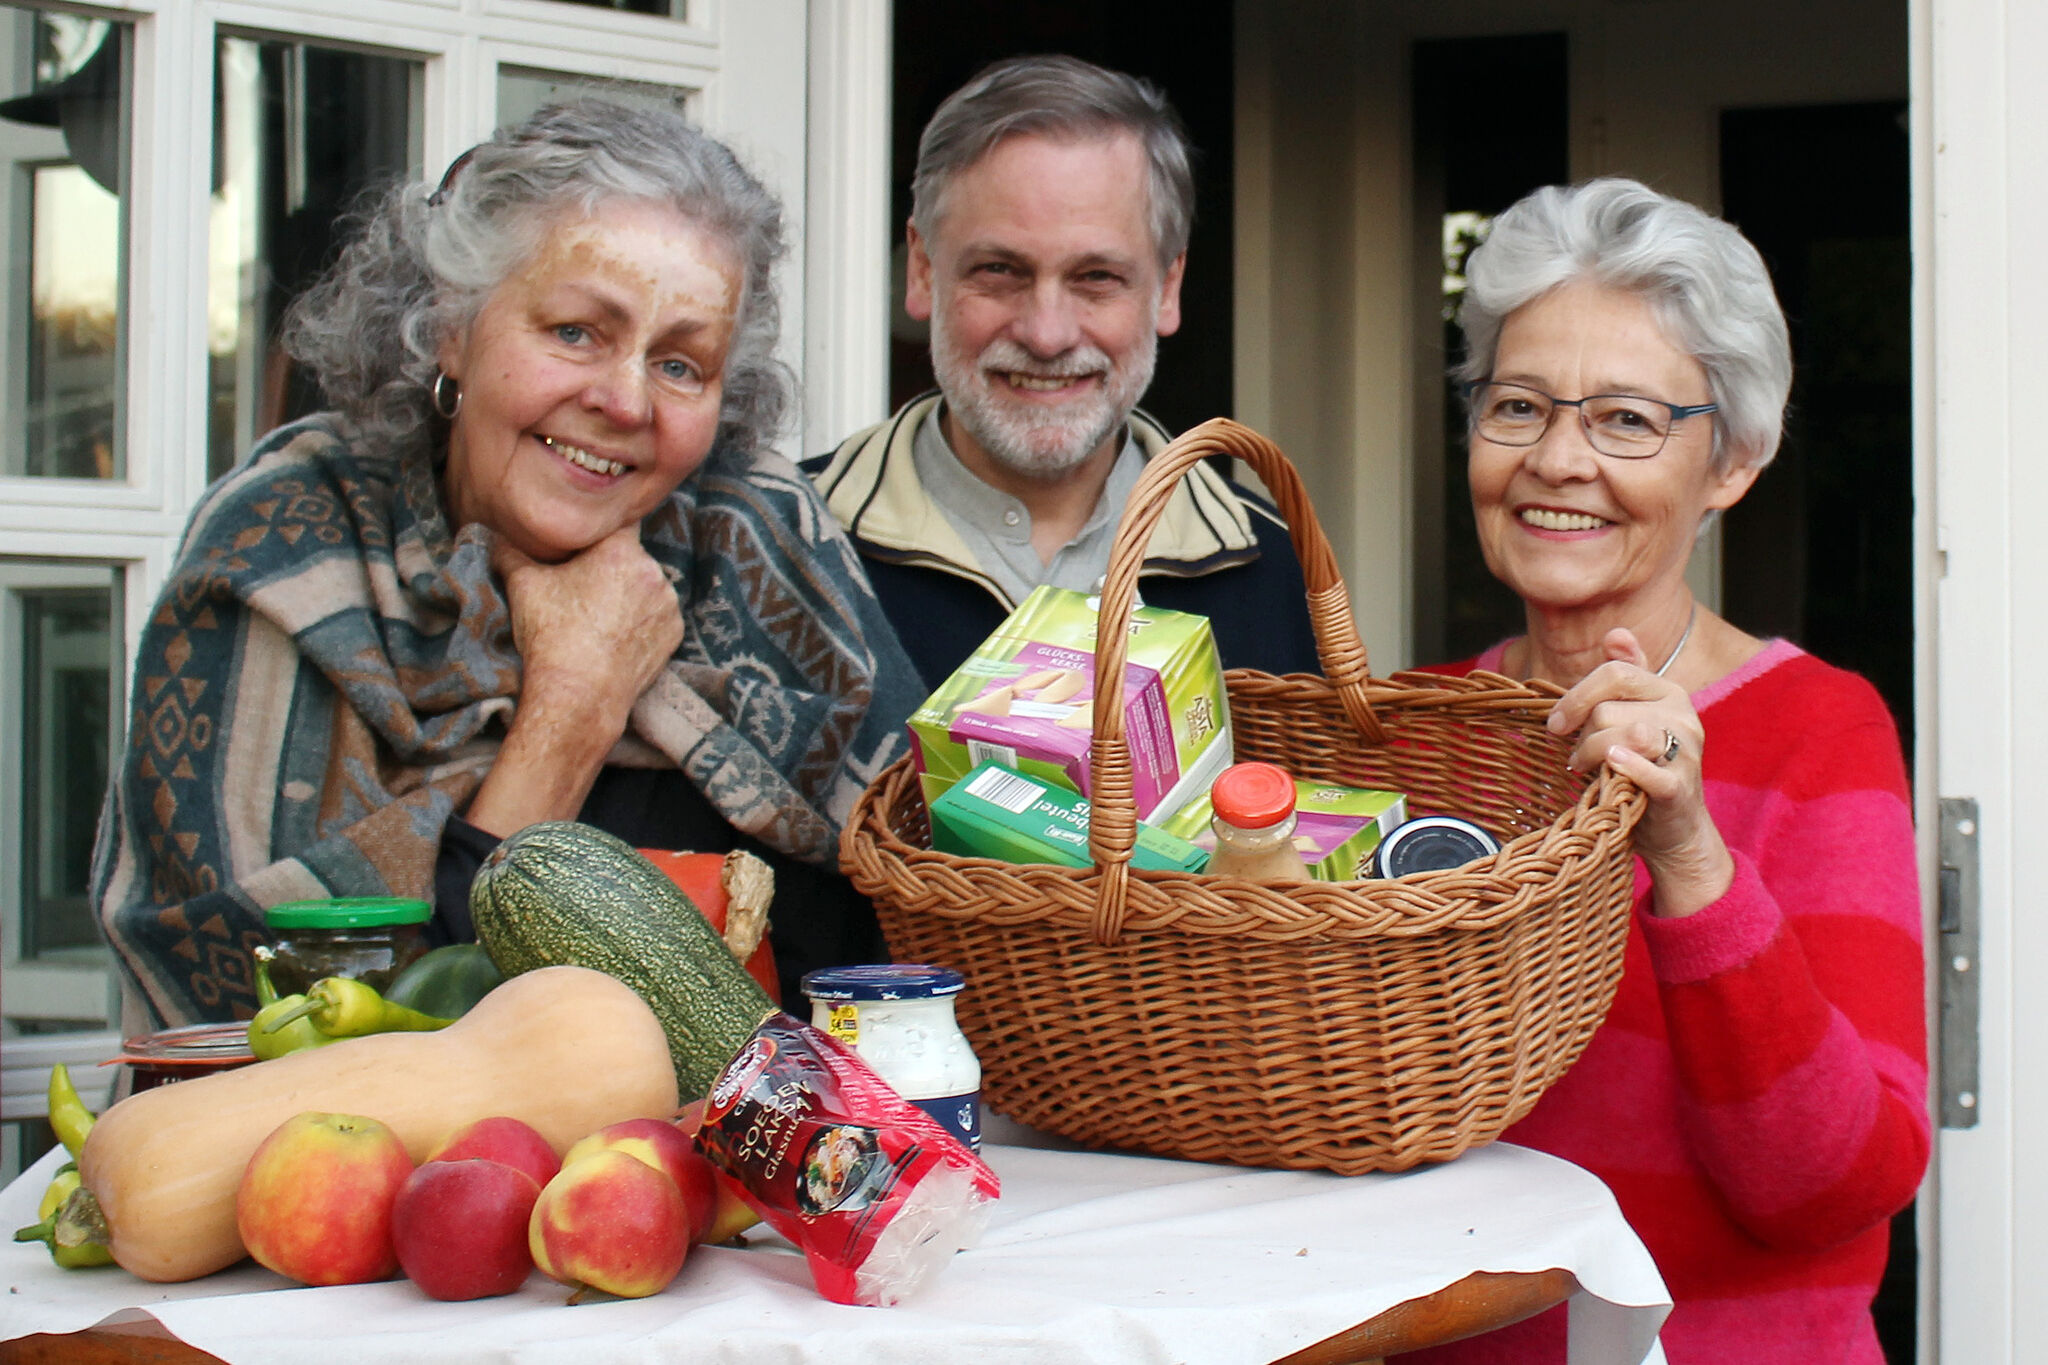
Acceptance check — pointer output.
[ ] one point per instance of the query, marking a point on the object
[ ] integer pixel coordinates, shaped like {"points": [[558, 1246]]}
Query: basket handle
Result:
{"points": [[1113, 818]]}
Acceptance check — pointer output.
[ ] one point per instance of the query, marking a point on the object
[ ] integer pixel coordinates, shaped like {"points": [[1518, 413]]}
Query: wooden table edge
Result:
{"points": [[1480, 1302]]}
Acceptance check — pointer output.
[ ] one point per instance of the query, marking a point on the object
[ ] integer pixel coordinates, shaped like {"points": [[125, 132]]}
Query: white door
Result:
{"points": [[1983, 347], [162, 158]]}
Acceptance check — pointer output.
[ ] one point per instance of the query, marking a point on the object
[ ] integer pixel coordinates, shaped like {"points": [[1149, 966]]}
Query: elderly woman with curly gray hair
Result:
{"points": [[1756, 1098], [537, 563]]}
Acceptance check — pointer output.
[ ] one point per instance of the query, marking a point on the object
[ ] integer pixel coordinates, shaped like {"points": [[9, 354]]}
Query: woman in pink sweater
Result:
{"points": [[1756, 1098]]}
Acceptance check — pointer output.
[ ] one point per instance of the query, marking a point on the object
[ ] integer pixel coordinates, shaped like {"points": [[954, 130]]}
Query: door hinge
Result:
{"points": [[1958, 968]]}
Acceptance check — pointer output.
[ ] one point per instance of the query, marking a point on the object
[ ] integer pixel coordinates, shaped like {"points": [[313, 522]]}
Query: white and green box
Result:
{"points": [[1026, 698], [998, 812], [1335, 827]]}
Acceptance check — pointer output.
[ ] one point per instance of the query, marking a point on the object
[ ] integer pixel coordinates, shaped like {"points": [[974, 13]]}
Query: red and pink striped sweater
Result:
{"points": [[1757, 1097]]}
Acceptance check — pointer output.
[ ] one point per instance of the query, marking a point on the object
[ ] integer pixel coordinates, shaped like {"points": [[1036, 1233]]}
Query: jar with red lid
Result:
{"points": [[1253, 805], [370, 939], [180, 1054]]}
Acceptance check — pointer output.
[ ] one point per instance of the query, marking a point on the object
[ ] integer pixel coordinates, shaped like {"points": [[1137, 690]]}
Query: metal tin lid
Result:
{"points": [[882, 981], [348, 912], [1431, 843], [1253, 795]]}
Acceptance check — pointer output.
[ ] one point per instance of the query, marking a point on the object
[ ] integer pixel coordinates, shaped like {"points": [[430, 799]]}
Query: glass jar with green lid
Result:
{"points": [[366, 938]]}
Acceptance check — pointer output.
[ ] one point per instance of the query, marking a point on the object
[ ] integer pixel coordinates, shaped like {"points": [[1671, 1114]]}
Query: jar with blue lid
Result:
{"points": [[899, 1017]]}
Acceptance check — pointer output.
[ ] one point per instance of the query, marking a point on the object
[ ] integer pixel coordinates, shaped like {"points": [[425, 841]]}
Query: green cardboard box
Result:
{"points": [[998, 812], [1025, 698]]}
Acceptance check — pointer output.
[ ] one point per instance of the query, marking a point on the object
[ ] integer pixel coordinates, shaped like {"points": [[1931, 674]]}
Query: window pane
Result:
{"points": [[63, 137], [59, 668], [300, 132], [521, 92], [66, 650]]}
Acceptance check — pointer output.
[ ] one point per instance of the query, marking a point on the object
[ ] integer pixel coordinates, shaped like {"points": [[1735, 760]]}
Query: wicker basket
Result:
{"points": [[1355, 1026]]}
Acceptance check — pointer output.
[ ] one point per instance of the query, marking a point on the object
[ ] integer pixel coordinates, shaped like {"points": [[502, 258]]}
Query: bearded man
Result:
{"points": [[1048, 234]]}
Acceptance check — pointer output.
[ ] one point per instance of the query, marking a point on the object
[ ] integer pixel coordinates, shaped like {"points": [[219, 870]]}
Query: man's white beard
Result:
{"points": [[1039, 440]]}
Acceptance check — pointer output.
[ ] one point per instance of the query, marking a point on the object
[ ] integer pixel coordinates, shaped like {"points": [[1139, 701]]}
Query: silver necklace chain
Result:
{"points": [[1691, 619]]}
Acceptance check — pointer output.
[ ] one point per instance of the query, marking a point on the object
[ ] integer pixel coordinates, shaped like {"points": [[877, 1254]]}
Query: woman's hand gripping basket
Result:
{"points": [[1350, 1026]]}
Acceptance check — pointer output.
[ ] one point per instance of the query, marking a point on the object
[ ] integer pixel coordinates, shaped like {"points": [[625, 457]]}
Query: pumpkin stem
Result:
{"points": [[749, 886]]}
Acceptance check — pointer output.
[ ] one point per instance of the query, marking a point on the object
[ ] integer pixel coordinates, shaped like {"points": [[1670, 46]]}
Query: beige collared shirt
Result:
{"points": [[997, 527]]}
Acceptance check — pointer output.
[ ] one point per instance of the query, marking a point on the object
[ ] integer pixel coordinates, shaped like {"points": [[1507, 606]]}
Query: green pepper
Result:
{"points": [[267, 1038], [447, 981], [69, 1117], [341, 1008], [74, 1243]]}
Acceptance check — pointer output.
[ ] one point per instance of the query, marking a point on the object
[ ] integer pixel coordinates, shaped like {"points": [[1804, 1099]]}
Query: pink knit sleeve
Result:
{"points": [[1793, 1003]]}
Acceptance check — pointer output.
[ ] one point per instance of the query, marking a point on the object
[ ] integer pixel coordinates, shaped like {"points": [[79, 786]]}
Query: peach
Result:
{"points": [[460, 1228], [611, 1222], [508, 1141], [315, 1200]]}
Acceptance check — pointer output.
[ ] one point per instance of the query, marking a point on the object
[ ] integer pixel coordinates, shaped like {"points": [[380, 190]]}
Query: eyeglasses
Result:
{"points": [[1622, 425]]}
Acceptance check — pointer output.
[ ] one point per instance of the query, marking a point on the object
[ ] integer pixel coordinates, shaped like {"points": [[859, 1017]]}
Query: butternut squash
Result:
{"points": [[566, 1049]]}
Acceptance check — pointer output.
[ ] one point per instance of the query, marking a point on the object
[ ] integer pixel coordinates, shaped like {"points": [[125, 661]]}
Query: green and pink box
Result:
{"points": [[1025, 698]]}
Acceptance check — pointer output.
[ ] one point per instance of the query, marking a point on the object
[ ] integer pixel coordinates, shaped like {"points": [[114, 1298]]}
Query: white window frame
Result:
{"points": [[134, 522]]}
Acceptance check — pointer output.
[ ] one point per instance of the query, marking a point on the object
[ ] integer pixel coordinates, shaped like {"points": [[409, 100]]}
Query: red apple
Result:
{"points": [[459, 1228], [668, 1149], [610, 1222], [315, 1199], [508, 1141]]}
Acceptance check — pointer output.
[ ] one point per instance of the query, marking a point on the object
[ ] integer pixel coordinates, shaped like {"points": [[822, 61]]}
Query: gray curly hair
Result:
{"points": [[422, 265], [1706, 283]]}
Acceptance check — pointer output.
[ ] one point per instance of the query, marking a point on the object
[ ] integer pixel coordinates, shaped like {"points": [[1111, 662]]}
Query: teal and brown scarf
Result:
{"points": [[328, 672]]}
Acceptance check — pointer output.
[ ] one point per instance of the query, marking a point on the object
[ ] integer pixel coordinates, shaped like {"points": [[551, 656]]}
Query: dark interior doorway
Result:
{"points": [[1182, 46], [1821, 551], [1463, 91]]}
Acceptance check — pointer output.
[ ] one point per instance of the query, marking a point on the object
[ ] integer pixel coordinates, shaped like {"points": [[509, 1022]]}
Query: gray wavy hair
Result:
{"points": [[1063, 98], [422, 265], [1705, 282]]}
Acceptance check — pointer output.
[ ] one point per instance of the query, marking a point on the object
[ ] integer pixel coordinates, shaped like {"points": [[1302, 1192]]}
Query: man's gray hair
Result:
{"points": [[1705, 282], [423, 265], [1066, 99]]}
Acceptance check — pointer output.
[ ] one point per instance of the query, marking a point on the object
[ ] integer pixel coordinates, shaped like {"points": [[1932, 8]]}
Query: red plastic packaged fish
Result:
{"points": [[868, 1186]]}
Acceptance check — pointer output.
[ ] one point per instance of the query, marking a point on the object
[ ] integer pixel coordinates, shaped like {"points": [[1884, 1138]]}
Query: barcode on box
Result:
{"points": [[1013, 793], [981, 751]]}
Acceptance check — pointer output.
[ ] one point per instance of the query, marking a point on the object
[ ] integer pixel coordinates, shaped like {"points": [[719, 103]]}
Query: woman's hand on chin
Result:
{"points": [[1627, 717], [592, 633]]}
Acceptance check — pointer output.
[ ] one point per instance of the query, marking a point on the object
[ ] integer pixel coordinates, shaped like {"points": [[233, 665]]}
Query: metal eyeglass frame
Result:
{"points": [[1679, 412]]}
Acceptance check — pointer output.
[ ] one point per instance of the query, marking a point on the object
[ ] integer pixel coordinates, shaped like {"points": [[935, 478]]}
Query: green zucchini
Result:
{"points": [[561, 892], [446, 981]]}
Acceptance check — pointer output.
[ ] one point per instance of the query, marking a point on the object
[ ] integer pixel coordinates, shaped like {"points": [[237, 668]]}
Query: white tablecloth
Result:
{"points": [[1089, 1258]]}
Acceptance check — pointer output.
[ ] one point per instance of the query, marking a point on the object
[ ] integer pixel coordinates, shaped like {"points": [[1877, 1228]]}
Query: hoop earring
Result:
{"points": [[438, 395]]}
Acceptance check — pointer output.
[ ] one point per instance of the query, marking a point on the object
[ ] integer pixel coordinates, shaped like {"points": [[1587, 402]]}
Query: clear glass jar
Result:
{"points": [[900, 1018], [370, 939], [1254, 825]]}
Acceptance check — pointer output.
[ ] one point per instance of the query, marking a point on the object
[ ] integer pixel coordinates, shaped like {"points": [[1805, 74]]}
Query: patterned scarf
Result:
{"points": [[328, 673]]}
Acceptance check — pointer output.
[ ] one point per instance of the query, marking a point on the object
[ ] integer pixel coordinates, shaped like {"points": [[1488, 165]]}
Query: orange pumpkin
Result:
{"points": [[703, 877]]}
